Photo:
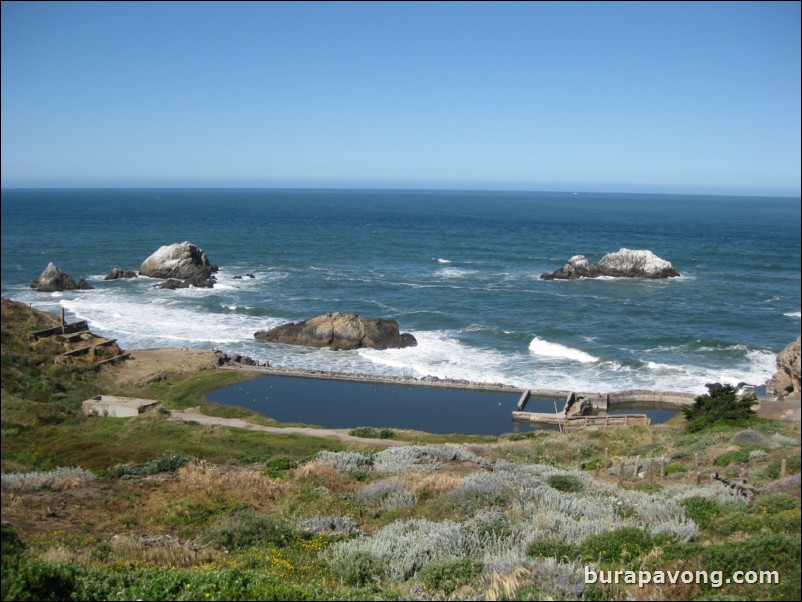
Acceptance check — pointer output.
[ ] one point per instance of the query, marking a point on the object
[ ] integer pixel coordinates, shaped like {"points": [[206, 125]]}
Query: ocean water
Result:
{"points": [[458, 270]]}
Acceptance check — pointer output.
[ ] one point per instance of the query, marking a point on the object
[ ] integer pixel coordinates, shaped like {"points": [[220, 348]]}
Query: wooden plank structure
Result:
{"points": [[77, 341]]}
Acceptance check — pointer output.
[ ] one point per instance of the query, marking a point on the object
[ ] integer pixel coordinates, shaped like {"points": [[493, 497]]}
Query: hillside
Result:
{"points": [[153, 508]]}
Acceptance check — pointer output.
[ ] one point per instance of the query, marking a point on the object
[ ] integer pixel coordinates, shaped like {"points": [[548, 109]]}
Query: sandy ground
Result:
{"points": [[148, 365]]}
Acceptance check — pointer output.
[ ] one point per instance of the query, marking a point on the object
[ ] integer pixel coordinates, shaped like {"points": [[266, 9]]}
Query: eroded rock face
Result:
{"points": [[622, 264], [182, 261], [53, 280], [340, 330], [786, 381]]}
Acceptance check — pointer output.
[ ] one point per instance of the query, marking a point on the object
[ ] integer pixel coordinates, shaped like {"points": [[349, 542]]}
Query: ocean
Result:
{"points": [[457, 269]]}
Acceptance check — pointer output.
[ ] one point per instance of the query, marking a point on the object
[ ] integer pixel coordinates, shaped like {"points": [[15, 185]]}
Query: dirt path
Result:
{"points": [[194, 415]]}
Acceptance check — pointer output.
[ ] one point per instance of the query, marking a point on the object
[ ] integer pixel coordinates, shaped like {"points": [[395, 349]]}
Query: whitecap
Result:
{"points": [[541, 347], [793, 314], [441, 260]]}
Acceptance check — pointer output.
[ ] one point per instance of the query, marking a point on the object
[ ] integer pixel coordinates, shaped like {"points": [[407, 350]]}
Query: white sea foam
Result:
{"points": [[161, 322], [452, 273], [793, 314], [541, 347], [441, 354], [441, 260]]}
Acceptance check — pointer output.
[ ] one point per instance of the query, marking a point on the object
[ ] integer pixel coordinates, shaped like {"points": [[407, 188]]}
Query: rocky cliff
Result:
{"points": [[786, 381]]}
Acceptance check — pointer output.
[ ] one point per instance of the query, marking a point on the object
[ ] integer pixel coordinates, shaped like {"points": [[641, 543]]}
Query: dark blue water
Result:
{"points": [[344, 404], [459, 270]]}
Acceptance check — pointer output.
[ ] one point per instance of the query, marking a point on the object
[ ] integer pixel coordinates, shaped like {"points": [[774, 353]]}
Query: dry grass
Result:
{"points": [[321, 473], [502, 586], [247, 484], [431, 485], [164, 552]]}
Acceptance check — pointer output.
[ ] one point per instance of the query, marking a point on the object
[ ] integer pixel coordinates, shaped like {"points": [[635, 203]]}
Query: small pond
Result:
{"points": [[348, 404]]}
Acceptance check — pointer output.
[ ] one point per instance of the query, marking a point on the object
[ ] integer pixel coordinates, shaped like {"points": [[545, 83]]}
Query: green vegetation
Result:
{"points": [[155, 509], [372, 433], [720, 407]]}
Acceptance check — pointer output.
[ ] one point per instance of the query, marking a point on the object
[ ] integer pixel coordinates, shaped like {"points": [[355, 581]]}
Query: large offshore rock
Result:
{"points": [[340, 330], [622, 264], [182, 261], [786, 381], [53, 280], [636, 264]]}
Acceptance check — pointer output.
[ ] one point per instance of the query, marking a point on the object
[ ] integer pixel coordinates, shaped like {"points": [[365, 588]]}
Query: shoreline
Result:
{"points": [[148, 365]]}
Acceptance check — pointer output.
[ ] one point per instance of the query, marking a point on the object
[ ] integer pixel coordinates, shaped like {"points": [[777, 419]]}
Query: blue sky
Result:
{"points": [[635, 97]]}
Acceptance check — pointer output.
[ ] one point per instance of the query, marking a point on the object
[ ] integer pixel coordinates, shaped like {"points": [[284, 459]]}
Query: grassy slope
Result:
{"points": [[248, 492]]}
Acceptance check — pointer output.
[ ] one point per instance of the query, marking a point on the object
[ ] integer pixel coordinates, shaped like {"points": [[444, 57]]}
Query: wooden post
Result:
{"points": [[783, 468], [662, 469], [696, 463], [651, 472], [620, 472], [62, 321], [598, 468], [636, 470], [606, 463], [698, 478]]}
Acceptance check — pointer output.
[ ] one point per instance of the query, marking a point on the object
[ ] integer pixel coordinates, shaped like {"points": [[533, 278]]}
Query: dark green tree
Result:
{"points": [[720, 406]]}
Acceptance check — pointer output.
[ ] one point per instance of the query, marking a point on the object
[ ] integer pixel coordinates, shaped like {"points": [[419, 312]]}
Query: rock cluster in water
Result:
{"points": [[54, 280], [623, 264], [340, 330]]}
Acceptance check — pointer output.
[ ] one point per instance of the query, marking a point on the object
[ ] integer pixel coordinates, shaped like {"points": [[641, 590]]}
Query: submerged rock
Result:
{"points": [[786, 381], [622, 264], [340, 330], [118, 273], [52, 279]]}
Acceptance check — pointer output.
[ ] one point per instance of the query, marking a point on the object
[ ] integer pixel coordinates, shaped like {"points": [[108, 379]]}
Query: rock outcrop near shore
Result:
{"points": [[119, 273], [622, 264], [786, 381], [340, 330], [54, 280], [180, 261]]}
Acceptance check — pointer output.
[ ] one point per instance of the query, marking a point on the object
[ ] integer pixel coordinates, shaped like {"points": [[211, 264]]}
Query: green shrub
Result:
{"points": [[740, 456], [277, 467], [368, 432], [721, 406], [360, 569], [792, 466], [166, 463], [446, 577], [702, 511], [246, 528], [564, 483], [550, 548], [620, 545]]}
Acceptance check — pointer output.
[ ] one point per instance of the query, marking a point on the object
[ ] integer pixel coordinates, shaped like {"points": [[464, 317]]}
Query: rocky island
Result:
{"points": [[625, 263], [52, 279]]}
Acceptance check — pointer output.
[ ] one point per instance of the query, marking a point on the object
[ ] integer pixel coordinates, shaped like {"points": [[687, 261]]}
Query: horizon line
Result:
{"points": [[408, 188]]}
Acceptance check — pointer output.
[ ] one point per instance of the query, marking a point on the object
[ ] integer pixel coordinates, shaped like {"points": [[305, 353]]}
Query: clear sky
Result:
{"points": [[598, 96]]}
